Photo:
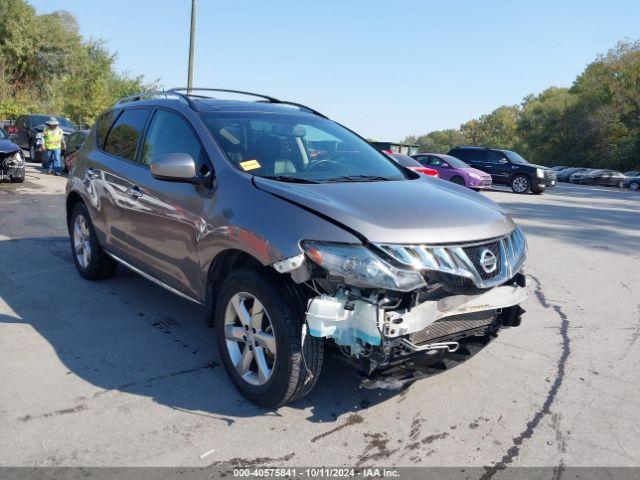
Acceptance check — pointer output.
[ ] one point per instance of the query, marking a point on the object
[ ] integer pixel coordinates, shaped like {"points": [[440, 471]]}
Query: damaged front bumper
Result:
{"points": [[362, 326]]}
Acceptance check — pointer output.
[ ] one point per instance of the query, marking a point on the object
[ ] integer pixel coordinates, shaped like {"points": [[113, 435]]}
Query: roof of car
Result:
{"points": [[471, 147], [208, 102]]}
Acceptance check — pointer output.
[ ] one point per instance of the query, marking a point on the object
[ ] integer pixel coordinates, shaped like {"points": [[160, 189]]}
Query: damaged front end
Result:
{"points": [[383, 305], [11, 165]]}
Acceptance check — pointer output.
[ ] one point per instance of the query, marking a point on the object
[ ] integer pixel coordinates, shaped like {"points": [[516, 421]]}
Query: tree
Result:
{"points": [[47, 67], [595, 123]]}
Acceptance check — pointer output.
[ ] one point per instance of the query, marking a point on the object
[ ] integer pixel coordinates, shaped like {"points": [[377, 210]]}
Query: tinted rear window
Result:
{"points": [[469, 155], [103, 125], [123, 137]]}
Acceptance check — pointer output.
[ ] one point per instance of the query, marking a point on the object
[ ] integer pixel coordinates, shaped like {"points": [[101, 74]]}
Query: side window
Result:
{"points": [[494, 157], [435, 161], [169, 133], [476, 156], [465, 155], [123, 136], [103, 125]]}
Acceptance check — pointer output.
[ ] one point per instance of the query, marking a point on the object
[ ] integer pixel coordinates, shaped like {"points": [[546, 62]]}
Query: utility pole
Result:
{"points": [[192, 45]]}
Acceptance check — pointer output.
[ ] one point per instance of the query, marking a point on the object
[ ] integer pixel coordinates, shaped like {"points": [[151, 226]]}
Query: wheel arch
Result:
{"points": [[224, 263], [73, 198], [461, 178]]}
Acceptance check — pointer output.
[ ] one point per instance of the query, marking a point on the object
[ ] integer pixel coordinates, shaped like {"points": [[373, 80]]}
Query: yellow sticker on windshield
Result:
{"points": [[249, 165]]}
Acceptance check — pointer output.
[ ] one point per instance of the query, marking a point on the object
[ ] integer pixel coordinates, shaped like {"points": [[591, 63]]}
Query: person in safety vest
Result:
{"points": [[53, 142]]}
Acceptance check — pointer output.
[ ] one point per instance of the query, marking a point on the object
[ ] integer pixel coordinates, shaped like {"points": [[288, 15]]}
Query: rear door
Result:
{"points": [[167, 221], [109, 168]]}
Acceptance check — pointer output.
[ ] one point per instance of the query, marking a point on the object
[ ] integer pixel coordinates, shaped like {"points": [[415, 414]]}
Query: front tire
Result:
{"points": [[90, 259], [458, 181], [19, 178], [520, 184], [259, 323]]}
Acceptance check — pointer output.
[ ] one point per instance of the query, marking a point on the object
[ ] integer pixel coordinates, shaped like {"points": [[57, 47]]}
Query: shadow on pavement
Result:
{"points": [[127, 335]]}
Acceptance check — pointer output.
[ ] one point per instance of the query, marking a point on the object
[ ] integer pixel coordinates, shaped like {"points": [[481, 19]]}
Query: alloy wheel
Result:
{"points": [[250, 339], [520, 185], [634, 186], [81, 241]]}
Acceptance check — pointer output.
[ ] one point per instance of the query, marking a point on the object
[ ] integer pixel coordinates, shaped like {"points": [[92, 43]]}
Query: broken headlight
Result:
{"points": [[360, 267]]}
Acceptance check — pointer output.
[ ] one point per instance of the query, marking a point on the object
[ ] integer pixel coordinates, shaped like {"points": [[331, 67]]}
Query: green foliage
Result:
{"points": [[47, 67], [595, 123]]}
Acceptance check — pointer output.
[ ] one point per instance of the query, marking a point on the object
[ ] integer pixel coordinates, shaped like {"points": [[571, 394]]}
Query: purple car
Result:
{"points": [[455, 170]]}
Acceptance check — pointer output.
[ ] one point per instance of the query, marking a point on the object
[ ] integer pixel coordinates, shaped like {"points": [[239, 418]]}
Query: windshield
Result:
{"points": [[39, 119], [454, 162], [515, 158], [299, 148], [65, 122]]}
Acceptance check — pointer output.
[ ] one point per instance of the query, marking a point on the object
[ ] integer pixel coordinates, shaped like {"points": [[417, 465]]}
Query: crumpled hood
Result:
{"points": [[7, 146], [425, 210]]}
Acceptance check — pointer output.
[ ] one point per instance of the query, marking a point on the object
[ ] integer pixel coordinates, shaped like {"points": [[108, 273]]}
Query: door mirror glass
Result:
{"points": [[174, 166], [503, 160], [445, 165]]}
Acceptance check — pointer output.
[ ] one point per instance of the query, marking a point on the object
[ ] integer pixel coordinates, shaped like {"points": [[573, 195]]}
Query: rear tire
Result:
{"points": [[292, 368], [520, 184], [635, 186], [90, 259]]}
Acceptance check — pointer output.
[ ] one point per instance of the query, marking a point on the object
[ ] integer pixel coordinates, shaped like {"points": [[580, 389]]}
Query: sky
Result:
{"points": [[386, 69]]}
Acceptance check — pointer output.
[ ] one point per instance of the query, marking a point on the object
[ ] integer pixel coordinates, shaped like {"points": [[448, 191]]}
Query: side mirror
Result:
{"points": [[174, 166], [503, 160], [445, 165]]}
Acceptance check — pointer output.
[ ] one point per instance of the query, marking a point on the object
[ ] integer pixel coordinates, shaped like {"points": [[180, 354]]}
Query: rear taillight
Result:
{"points": [[11, 129]]}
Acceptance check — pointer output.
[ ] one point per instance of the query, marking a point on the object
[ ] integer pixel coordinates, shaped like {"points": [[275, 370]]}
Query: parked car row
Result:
{"points": [[598, 176], [479, 168]]}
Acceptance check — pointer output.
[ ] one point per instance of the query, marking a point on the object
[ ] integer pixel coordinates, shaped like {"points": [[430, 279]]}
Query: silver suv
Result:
{"points": [[294, 234]]}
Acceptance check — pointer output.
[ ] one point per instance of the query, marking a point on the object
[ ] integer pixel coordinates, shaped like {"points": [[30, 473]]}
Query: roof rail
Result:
{"points": [[136, 97], [241, 92], [265, 98]]}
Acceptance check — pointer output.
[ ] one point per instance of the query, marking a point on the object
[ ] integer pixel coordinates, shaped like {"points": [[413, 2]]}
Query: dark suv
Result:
{"points": [[27, 127], [292, 232], [507, 168]]}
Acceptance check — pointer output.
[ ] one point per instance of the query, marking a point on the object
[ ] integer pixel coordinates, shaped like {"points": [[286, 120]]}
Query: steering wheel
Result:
{"points": [[313, 166]]}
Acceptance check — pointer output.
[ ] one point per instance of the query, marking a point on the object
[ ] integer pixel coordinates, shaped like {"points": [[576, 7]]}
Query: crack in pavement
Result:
{"points": [[514, 451]]}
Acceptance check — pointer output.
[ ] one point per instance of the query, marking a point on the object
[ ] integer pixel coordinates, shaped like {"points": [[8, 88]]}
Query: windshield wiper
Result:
{"points": [[358, 178], [286, 178]]}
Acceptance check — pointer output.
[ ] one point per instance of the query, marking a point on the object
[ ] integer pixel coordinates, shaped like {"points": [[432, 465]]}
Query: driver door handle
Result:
{"points": [[134, 192]]}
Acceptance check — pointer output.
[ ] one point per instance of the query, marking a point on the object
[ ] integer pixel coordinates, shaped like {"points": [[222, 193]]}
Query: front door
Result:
{"points": [[169, 220]]}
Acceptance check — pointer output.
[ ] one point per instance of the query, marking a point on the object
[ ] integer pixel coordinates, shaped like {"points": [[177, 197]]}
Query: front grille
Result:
{"points": [[456, 325], [550, 174], [475, 253], [464, 260], [486, 182]]}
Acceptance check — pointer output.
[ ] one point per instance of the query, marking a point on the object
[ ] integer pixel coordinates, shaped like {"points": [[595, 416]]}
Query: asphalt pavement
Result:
{"points": [[122, 373]]}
